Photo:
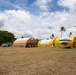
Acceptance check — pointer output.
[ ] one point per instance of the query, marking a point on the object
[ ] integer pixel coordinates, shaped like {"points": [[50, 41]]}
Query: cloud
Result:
{"points": [[16, 21], [43, 4], [71, 4], [2, 20], [24, 23], [1, 23], [9, 4]]}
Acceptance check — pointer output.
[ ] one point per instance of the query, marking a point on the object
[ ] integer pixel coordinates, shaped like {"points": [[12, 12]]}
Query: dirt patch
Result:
{"points": [[37, 61]]}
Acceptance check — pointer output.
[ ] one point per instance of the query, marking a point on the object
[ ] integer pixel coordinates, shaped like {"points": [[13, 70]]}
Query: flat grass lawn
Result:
{"points": [[37, 61]]}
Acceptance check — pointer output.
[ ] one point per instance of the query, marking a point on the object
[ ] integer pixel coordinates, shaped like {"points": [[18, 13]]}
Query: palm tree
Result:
{"points": [[22, 37], [70, 33], [62, 28], [52, 36]]}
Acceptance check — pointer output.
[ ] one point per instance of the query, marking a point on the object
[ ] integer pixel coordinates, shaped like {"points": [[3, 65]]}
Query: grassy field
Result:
{"points": [[37, 61]]}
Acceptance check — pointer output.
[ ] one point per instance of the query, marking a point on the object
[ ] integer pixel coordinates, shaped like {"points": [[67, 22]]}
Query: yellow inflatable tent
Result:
{"points": [[56, 42], [65, 42], [73, 40], [45, 43]]}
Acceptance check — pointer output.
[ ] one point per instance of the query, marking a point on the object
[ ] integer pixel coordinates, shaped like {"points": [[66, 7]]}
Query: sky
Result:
{"points": [[38, 18]]}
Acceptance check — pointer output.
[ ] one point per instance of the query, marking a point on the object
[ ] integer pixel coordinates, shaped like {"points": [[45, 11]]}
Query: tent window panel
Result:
{"points": [[63, 42]]}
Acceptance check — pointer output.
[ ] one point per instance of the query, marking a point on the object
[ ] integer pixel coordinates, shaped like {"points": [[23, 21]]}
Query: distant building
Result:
{"points": [[25, 42]]}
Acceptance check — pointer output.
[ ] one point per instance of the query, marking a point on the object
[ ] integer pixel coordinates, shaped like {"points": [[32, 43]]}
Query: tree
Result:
{"points": [[6, 36], [62, 28], [70, 33], [52, 36], [22, 37], [37, 40]]}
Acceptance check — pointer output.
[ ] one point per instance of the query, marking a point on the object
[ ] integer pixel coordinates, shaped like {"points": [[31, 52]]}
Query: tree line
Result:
{"points": [[6, 37], [62, 29]]}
